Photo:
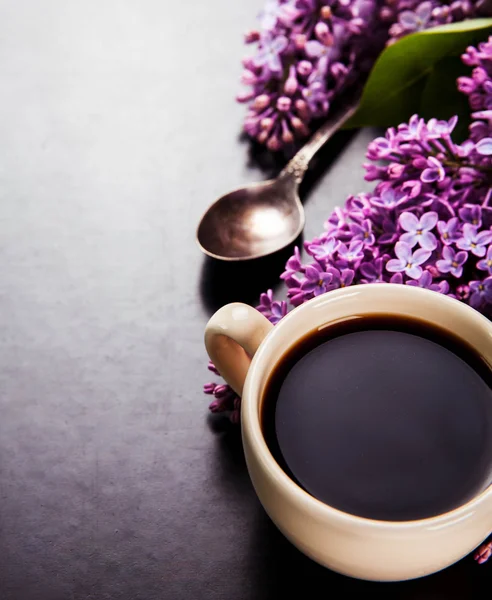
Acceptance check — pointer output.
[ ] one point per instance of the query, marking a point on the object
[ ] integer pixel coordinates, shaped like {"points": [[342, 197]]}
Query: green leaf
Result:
{"points": [[418, 74]]}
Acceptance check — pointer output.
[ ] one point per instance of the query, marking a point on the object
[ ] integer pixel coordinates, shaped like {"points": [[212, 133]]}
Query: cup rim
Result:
{"points": [[250, 419]]}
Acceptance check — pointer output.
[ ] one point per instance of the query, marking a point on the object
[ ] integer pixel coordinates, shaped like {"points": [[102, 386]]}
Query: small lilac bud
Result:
{"points": [[290, 86], [338, 69], [356, 26], [213, 368], [466, 85], [209, 388], [267, 123], [419, 162], [248, 63], [298, 126], [221, 391], [479, 75], [303, 109], [245, 96], [261, 102], [273, 143], [304, 68], [323, 34], [219, 405], [395, 170], [248, 77], [326, 13], [386, 14], [475, 101], [262, 136], [300, 41], [284, 104], [433, 271], [287, 136], [235, 417], [462, 292], [396, 30], [251, 36]]}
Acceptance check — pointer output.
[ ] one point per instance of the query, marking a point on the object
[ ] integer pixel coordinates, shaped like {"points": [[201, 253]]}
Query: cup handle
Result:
{"points": [[232, 337]]}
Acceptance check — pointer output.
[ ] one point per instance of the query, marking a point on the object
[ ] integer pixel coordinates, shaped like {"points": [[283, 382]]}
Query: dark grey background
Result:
{"points": [[117, 128]]}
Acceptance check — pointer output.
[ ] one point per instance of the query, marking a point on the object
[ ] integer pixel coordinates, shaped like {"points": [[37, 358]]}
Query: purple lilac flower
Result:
{"points": [[473, 240], [269, 53], [316, 281], [425, 281], [486, 263], [372, 272], [341, 278], [418, 19], [433, 172], [275, 12], [325, 249], [471, 213], [272, 309], [363, 232], [481, 292], [452, 262], [419, 230], [406, 261], [390, 232], [389, 199], [449, 231], [352, 253]]}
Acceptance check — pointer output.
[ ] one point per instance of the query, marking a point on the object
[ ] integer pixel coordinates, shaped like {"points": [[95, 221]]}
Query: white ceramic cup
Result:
{"points": [[245, 347]]}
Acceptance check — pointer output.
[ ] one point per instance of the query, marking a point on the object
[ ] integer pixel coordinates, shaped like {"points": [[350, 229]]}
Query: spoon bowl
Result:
{"points": [[262, 218], [252, 221]]}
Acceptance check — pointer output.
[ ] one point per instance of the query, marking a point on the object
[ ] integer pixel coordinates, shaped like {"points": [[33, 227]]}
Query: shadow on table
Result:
{"points": [[280, 569], [223, 282]]}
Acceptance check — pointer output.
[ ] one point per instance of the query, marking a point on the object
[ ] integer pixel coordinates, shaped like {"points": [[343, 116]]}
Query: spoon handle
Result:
{"points": [[298, 165]]}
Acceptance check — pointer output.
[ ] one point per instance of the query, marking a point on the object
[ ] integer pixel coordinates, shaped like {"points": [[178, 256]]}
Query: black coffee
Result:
{"points": [[382, 417]]}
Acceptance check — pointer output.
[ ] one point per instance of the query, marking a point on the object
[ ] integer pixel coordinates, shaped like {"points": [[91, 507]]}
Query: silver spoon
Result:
{"points": [[261, 218]]}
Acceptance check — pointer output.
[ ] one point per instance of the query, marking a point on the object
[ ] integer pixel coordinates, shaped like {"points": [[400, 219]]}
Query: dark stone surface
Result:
{"points": [[117, 128]]}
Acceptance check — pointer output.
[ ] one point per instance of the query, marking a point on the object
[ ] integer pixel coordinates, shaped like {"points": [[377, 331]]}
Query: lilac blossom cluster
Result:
{"points": [[427, 223], [309, 51]]}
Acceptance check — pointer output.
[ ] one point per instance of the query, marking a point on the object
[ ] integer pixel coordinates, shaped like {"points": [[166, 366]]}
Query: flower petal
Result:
{"points": [[428, 220], [395, 265], [461, 257], [309, 286], [484, 146], [428, 241], [444, 266], [411, 239], [429, 175], [409, 222], [420, 256], [314, 49], [312, 274], [478, 251], [484, 238], [409, 20], [403, 251], [414, 271]]}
